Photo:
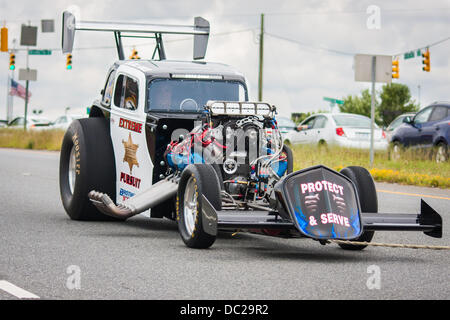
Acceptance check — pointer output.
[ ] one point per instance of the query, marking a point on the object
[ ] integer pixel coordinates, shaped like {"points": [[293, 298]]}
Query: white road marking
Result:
{"points": [[16, 291]]}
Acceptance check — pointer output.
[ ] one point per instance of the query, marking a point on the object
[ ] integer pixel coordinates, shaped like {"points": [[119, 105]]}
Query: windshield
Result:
{"points": [[285, 123], [170, 95], [356, 121]]}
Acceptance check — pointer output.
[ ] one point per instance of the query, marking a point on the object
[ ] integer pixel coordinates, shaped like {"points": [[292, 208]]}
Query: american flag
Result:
{"points": [[18, 90]]}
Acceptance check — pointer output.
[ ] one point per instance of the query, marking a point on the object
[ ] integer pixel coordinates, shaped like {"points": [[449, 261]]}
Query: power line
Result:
{"points": [[339, 52], [424, 47]]}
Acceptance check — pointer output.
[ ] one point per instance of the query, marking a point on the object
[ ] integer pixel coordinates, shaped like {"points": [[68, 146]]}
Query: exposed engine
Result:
{"points": [[247, 151]]}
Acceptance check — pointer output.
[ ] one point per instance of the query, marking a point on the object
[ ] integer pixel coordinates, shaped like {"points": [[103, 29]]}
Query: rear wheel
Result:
{"points": [[196, 181], [86, 163], [367, 194]]}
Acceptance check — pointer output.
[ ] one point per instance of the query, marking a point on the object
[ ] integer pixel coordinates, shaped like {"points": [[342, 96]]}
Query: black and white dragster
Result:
{"points": [[181, 140]]}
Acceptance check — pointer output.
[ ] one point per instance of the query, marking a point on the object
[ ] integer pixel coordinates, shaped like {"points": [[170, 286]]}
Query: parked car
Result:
{"points": [[33, 122], [396, 123], [342, 129], [63, 122], [429, 130]]}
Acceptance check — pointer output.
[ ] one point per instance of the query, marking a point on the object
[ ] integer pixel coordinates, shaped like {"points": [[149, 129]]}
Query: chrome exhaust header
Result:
{"points": [[156, 194]]}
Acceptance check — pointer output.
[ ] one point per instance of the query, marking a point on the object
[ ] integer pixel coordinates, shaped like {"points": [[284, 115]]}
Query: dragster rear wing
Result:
{"points": [[200, 30]]}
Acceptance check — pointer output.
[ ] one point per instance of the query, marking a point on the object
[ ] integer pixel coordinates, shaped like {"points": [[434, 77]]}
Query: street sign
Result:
{"points": [[408, 55], [44, 52], [332, 100], [28, 74], [363, 68], [28, 36], [48, 25]]}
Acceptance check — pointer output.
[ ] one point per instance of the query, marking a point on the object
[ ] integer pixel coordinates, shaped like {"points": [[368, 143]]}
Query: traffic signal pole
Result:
{"points": [[9, 116]]}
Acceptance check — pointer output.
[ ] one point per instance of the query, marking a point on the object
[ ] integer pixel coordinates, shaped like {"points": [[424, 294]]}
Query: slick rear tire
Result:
{"points": [[196, 180], [86, 163], [368, 201], [290, 158]]}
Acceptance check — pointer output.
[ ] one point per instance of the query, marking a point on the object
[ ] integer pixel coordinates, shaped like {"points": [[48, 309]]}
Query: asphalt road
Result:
{"points": [[43, 252]]}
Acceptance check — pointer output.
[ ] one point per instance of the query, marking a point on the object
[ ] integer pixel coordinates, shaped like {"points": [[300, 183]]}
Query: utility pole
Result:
{"points": [[26, 92], [261, 53], [26, 87], [372, 109]]}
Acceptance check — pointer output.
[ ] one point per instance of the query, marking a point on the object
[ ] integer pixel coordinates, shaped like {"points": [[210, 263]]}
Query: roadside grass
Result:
{"points": [[31, 139], [414, 167]]}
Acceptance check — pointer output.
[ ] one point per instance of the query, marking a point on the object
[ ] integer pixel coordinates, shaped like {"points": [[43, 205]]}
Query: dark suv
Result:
{"points": [[428, 129]]}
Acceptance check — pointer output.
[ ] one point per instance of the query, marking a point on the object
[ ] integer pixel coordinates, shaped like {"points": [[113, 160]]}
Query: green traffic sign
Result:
{"points": [[332, 100], [409, 55], [40, 52]]}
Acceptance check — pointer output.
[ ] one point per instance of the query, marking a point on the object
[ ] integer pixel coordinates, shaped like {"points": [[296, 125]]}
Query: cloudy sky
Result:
{"points": [[308, 46]]}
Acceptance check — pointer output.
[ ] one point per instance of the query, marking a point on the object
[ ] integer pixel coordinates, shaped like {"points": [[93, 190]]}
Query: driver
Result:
{"points": [[130, 95]]}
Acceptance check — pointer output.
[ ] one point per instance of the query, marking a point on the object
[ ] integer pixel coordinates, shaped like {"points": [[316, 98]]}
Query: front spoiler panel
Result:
{"points": [[322, 203]]}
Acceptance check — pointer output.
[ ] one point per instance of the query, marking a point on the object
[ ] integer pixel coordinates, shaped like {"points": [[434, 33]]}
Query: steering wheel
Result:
{"points": [[189, 104]]}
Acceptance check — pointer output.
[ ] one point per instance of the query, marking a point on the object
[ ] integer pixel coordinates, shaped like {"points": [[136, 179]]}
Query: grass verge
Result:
{"points": [[414, 168], [31, 139]]}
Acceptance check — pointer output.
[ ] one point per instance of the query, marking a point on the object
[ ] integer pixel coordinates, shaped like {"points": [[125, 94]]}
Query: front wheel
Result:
{"points": [[197, 180], [367, 194]]}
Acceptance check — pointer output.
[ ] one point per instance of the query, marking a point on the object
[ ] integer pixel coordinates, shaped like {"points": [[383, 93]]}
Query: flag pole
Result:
{"points": [[11, 98]]}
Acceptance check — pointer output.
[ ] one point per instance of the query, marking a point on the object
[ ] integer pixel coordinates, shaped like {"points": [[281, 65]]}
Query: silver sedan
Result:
{"points": [[341, 129]]}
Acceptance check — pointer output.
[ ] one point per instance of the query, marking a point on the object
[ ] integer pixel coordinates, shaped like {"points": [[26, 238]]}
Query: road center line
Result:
{"points": [[16, 291], [414, 194]]}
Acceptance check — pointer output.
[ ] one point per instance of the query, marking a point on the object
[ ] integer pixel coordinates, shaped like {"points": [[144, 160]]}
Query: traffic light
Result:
{"points": [[12, 61], [426, 61], [134, 54], [4, 40], [69, 61], [395, 69]]}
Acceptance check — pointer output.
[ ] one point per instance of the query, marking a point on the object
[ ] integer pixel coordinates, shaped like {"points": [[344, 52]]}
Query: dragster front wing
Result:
{"points": [[428, 220]]}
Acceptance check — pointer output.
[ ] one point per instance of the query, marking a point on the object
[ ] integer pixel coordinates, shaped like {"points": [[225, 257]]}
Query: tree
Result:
{"points": [[360, 105], [395, 100]]}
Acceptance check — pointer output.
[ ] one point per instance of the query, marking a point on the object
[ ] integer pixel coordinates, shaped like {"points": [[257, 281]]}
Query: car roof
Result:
{"points": [[164, 68], [441, 103], [330, 114]]}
